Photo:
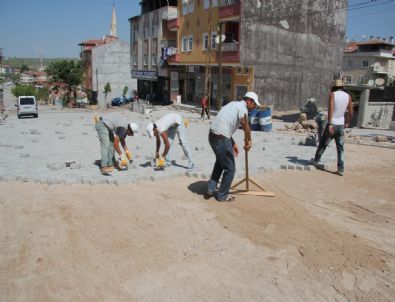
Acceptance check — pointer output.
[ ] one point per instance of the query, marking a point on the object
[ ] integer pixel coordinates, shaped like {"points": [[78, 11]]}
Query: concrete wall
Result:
{"points": [[295, 48], [111, 63]]}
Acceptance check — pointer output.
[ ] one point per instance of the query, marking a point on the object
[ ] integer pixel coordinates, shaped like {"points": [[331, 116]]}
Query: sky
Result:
{"points": [[54, 28]]}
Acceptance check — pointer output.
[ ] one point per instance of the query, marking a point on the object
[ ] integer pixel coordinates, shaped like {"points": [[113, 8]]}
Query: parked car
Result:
{"points": [[26, 105], [118, 101]]}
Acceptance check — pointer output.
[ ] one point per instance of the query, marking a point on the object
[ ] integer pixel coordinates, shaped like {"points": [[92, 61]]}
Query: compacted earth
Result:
{"points": [[321, 238]]}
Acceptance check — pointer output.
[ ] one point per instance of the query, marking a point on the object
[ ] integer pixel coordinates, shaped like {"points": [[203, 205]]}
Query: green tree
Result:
{"points": [[19, 90], [106, 91], [125, 91], [66, 72], [24, 68]]}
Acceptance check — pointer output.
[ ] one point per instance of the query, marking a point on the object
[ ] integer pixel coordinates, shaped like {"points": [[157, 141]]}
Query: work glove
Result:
{"points": [[186, 123], [128, 154], [160, 162], [122, 161]]}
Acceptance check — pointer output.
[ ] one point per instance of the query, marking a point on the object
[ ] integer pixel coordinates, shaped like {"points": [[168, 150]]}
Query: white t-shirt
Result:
{"points": [[228, 119], [340, 103], [167, 121]]}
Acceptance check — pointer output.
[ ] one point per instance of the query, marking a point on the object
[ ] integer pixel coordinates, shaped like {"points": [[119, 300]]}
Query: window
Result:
{"points": [[205, 41], [188, 7], [207, 3], [238, 70], [348, 79], [365, 63], [349, 63], [145, 60], [184, 43], [154, 59], [190, 43], [213, 36], [246, 71]]}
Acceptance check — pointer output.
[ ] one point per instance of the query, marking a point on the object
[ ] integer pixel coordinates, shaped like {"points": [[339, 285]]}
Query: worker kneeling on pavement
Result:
{"points": [[113, 128], [167, 127], [228, 120]]}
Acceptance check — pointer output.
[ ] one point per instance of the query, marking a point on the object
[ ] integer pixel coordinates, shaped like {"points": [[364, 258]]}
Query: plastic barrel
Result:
{"points": [[265, 120], [253, 117]]}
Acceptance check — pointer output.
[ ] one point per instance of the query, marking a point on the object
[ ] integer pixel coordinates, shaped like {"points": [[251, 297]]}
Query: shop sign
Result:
{"points": [[144, 74]]}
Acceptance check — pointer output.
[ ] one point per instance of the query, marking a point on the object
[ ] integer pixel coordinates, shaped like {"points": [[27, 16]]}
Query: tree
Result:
{"points": [[66, 72], [125, 91], [24, 68], [19, 90], [106, 91]]}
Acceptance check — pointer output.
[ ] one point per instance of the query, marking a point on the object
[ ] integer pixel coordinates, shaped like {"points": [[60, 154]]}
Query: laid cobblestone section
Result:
{"points": [[71, 153]]}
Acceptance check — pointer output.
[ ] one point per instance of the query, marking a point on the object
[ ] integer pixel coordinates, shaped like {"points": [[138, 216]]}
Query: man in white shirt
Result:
{"points": [[339, 102], [228, 120], [167, 127]]}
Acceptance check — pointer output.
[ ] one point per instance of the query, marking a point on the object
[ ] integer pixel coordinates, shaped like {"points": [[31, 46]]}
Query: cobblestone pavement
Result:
{"points": [[62, 146]]}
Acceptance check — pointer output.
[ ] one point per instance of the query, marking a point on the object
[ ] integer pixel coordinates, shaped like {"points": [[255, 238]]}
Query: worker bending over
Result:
{"points": [[113, 128], [167, 127]]}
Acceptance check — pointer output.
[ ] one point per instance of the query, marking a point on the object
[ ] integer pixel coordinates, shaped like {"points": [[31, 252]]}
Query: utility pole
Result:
{"points": [[219, 93], [1, 82], [207, 83]]}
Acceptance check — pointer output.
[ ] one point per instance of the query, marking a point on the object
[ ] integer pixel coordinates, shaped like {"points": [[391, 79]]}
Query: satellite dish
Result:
{"points": [[379, 81], [370, 83], [217, 39]]}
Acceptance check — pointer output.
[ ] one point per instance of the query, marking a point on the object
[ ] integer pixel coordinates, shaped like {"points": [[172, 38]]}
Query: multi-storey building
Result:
{"points": [[369, 62], [286, 52], [150, 44]]}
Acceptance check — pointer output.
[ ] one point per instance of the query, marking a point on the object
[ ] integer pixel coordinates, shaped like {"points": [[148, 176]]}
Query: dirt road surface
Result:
{"points": [[321, 238]]}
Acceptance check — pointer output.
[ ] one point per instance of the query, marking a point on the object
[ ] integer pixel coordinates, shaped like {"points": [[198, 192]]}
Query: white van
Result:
{"points": [[26, 105]]}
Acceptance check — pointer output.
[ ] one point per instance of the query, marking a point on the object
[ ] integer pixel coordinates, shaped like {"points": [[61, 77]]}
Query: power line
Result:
{"points": [[353, 7]]}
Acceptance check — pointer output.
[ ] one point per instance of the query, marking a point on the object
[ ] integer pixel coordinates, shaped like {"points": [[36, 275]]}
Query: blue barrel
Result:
{"points": [[265, 120], [253, 117]]}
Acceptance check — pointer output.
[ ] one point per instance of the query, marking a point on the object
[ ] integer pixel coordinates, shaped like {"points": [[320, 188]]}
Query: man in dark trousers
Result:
{"points": [[339, 103], [228, 120]]}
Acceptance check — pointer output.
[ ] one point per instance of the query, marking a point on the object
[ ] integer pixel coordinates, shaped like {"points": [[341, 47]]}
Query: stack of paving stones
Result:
{"points": [[62, 147]]}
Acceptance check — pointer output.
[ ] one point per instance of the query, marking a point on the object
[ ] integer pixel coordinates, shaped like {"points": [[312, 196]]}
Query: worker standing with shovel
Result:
{"points": [[113, 128], [228, 120]]}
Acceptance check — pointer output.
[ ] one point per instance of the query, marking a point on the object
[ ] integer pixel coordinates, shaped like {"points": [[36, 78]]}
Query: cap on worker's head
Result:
{"points": [[338, 83], [150, 130], [253, 96], [134, 127]]}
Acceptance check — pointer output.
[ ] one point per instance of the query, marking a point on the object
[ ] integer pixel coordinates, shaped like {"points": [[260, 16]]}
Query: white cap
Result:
{"points": [[150, 130], [253, 96], [134, 127]]}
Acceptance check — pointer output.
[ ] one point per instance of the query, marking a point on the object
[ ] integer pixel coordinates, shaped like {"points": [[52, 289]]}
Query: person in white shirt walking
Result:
{"points": [[167, 127], [228, 120], [339, 103]]}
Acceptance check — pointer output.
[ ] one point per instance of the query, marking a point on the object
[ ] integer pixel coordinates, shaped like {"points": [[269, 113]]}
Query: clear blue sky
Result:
{"points": [[54, 28]]}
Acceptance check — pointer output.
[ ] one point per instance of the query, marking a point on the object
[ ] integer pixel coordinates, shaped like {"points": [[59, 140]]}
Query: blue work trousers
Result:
{"points": [[224, 165], [338, 135]]}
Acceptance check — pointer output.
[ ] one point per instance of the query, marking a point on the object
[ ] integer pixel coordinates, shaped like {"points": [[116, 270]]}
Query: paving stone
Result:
{"points": [[188, 174], [61, 137], [307, 168], [203, 176], [55, 166], [195, 175], [75, 166], [300, 168], [284, 167], [19, 147], [291, 167], [24, 155]]}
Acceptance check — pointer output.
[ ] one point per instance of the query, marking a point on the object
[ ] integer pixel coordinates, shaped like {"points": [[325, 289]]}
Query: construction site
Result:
{"points": [[141, 234]]}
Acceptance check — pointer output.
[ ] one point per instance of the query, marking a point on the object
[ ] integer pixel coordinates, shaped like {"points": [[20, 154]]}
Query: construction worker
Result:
{"points": [[228, 120], [167, 127], [113, 128], [340, 102]]}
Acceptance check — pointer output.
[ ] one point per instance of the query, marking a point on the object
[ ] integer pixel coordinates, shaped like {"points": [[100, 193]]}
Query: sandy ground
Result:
{"points": [[321, 238]]}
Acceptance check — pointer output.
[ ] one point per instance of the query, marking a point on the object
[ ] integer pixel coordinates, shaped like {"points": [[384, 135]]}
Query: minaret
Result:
{"points": [[113, 22]]}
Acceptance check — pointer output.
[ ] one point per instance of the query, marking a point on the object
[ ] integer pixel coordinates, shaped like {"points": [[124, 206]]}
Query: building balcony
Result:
{"points": [[230, 52], [174, 59], [169, 13], [229, 9], [173, 24], [376, 68]]}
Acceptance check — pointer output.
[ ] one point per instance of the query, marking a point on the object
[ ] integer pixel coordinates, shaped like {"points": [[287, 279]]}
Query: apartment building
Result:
{"points": [[286, 52], [369, 62], [150, 45]]}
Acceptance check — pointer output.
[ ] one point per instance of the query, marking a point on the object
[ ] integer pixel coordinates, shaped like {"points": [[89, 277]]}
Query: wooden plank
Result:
{"points": [[254, 193]]}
